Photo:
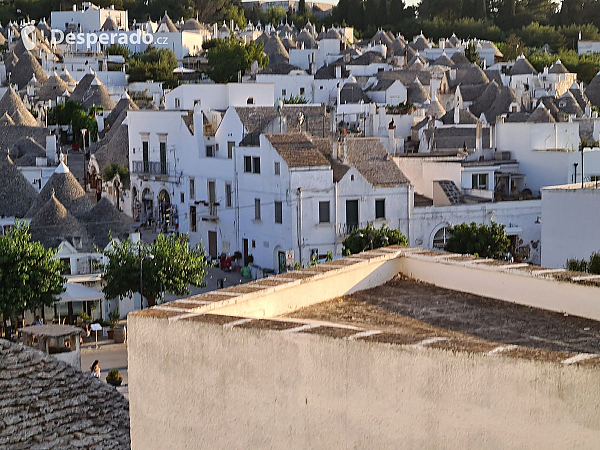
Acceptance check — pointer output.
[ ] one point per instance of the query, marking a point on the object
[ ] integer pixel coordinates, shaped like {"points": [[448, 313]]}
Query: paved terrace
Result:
{"points": [[409, 313]]}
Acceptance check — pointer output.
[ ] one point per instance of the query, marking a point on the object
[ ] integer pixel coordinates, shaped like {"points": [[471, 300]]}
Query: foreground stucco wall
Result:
{"points": [[197, 385], [512, 286]]}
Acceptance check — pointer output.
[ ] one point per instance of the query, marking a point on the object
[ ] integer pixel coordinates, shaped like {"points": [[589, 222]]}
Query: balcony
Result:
{"points": [[344, 229], [155, 168], [210, 214]]}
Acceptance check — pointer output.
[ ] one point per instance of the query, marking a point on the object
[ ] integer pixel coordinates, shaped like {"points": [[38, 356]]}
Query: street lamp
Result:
{"points": [[83, 131], [148, 257]]}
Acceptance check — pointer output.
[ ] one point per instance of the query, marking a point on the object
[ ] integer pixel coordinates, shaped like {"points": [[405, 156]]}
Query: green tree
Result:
{"points": [[229, 56], [382, 13], [168, 265], [396, 13], [295, 100], [512, 47], [487, 241], [116, 49], [71, 113], [302, 7], [362, 239], [471, 53], [236, 13], [153, 64], [30, 277]]}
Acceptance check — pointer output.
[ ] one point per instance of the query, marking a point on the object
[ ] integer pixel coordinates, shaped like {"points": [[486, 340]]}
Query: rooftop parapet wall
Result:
{"points": [[198, 384]]}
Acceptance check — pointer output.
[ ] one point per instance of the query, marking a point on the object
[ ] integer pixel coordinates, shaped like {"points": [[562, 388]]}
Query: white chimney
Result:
{"points": [[392, 142], [344, 149], [456, 114], [442, 44], [338, 72], [339, 94], [334, 148], [74, 7], [51, 148], [479, 137]]}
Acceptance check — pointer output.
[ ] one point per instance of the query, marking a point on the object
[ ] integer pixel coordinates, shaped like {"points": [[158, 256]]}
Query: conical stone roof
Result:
{"points": [[53, 224], [16, 193], [12, 104], [65, 187], [276, 51], [27, 68], [53, 87], [104, 219]]}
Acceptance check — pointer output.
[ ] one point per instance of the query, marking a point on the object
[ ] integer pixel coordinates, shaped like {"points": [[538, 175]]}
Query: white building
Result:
{"points": [[88, 19], [570, 217]]}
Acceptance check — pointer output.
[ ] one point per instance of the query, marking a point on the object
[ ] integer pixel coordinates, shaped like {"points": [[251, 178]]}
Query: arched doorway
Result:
{"points": [[440, 238], [147, 207], [164, 209]]}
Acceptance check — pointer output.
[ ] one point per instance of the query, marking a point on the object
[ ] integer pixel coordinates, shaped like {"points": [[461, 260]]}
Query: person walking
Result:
{"points": [[95, 369]]}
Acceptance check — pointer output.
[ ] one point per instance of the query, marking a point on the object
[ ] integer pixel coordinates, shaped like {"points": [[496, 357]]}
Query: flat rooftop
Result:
{"points": [[416, 314], [407, 312]]}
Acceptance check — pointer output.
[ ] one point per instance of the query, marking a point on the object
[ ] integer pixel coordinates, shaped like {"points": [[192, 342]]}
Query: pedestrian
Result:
{"points": [[37, 321], [98, 192], [95, 369]]}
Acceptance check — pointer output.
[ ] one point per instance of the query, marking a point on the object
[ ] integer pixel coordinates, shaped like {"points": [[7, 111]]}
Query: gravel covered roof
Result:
{"points": [[47, 403]]}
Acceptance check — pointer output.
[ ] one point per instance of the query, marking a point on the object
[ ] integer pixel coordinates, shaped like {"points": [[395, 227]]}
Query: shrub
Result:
{"points": [[487, 241], [114, 375], [360, 240]]}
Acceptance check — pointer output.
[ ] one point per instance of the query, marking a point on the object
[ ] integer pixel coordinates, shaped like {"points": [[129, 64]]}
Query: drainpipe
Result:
{"points": [[299, 220], [408, 213], [335, 209]]}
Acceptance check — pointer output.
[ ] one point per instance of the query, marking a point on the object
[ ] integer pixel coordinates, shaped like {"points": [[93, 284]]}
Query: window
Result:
{"points": [[163, 157], [594, 178], [380, 209], [181, 197], [441, 237], [301, 91], [228, 197], [146, 156], [278, 212], [324, 212], [250, 101], [257, 209], [479, 181], [210, 151], [193, 222], [255, 165], [177, 103], [253, 243], [212, 192], [247, 164], [277, 168], [283, 92], [192, 189], [230, 146], [321, 87]]}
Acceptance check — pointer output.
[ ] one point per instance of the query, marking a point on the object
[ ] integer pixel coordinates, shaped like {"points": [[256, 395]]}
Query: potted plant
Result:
{"points": [[114, 377], [113, 321]]}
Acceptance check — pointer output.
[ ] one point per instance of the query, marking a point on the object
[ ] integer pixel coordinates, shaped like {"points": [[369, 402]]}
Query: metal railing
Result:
{"points": [[151, 167], [344, 229]]}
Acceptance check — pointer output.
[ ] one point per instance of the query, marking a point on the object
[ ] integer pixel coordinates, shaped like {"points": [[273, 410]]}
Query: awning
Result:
{"points": [[183, 70], [79, 293], [513, 231]]}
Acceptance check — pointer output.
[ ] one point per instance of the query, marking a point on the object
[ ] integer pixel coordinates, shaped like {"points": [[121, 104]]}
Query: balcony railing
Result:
{"points": [[344, 229], [211, 212], [151, 168]]}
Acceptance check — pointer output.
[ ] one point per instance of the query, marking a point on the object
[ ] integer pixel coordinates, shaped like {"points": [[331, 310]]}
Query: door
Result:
{"points": [[212, 196], [245, 249], [281, 256], [146, 156], [212, 244], [351, 215]]}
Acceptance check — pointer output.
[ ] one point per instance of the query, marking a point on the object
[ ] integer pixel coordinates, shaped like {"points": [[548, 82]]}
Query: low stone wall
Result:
{"points": [[200, 385]]}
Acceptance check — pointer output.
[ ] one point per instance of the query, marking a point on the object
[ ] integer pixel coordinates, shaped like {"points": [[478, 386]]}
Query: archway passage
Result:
{"points": [[441, 238], [147, 207], [164, 209]]}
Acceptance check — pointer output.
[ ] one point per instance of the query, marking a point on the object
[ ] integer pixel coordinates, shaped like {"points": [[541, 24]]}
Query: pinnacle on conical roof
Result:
{"points": [[541, 115], [169, 25]]}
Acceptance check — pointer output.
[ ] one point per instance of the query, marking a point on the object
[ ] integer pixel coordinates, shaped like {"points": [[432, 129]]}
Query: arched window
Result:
{"points": [[250, 101], [441, 238]]}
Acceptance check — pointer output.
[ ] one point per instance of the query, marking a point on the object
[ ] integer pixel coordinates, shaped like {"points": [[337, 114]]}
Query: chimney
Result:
{"points": [[231, 25], [344, 148], [51, 148], [215, 30], [456, 115], [442, 44], [392, 142], [74, 7], [492, 131], [338, 71], [334, 148], [198, 119], [339, 94], [479, 137]]}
